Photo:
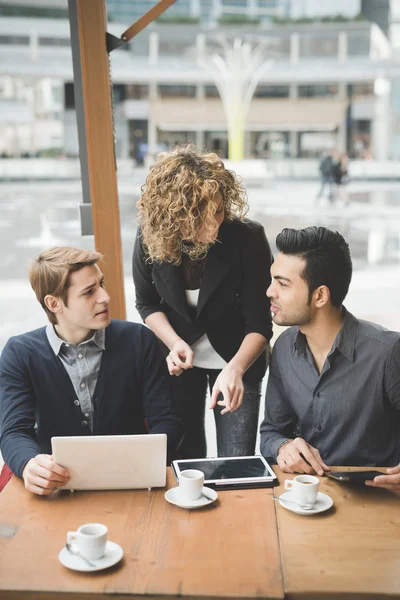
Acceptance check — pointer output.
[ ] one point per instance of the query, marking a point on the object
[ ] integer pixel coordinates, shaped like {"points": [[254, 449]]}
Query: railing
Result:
{"points": [[14, 169]]}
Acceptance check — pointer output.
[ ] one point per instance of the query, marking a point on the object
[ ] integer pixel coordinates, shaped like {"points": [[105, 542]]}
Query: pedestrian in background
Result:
{"points": [[341, 178], [326, 168]]}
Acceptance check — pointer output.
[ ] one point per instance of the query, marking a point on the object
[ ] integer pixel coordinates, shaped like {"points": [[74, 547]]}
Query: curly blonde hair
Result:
{"points": [[180, 197]]}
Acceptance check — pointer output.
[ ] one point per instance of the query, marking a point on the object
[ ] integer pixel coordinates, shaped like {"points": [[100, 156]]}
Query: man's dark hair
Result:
{"points": [[327, 256]]}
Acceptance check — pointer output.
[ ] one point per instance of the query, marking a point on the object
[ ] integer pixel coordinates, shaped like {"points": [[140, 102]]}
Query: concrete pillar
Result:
{"points": [[153, 48], [195, 8], [341, 141], [16, 144], [33, 147], [381, 120], [34, 45], [200, 139], [376, 246], [293, 135], [246, 144], [343, 47], [294, 48], [152, 125], [395, 120], [293, 143], [200, 91], [252, 6], [217, 9], [200, 45], [200, 133]]}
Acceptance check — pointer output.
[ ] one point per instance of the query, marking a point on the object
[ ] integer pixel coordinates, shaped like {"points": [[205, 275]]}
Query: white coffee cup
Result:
{"points": [[304, 489], [191, 484], [90, 539]]}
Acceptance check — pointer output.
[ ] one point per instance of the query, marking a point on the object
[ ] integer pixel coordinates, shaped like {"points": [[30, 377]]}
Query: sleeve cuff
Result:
{"points": [[277, 444]]}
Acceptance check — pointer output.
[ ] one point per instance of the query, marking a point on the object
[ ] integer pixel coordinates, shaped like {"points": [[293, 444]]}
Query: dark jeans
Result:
{"points": [[326, 180], [236, 431]]}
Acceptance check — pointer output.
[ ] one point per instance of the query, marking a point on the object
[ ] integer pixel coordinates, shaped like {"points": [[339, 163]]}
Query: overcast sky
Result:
{"points": [[310, 8]]}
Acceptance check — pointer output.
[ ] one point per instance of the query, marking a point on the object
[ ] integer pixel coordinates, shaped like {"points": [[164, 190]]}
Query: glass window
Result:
{"points": [[211, 91], [272, 91], [363, 89], [14, 40], [119, 93], [318, 91], [177, 91], [175, 46], [137, 91], [69, 95], [49, 41], [358, 43], [56, 94], [321, 45]]}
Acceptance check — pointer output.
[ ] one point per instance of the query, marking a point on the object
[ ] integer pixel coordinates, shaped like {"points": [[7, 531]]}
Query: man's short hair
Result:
{"points": [[327, 256], [50, 272]]}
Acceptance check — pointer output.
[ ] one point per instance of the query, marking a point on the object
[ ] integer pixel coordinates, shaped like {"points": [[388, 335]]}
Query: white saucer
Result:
{"points": [[113, 554], [208, 497], [323, 502]]}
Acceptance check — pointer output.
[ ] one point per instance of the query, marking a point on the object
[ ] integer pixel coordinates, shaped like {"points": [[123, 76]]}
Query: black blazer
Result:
{"points": [[232, 299]]}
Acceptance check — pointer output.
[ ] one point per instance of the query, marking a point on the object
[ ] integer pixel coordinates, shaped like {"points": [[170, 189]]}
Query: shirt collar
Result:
{"points": [[346, 338], [300, 343], [56, 342], [344, 342]]}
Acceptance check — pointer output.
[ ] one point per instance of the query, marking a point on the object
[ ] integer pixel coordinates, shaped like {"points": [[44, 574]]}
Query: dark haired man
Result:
{"points": [[335, 377]]}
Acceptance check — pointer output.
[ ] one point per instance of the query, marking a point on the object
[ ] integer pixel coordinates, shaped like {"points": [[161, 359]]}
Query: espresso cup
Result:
{"points": [[304, 489], [191, 484], [90, 539]]}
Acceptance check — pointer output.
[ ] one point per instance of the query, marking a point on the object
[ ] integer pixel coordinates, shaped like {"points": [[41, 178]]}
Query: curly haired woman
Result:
{"points": [[201, 272]]}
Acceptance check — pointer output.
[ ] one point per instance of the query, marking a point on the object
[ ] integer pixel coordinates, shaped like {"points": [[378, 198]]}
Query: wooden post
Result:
{"points": [[88, 22]]}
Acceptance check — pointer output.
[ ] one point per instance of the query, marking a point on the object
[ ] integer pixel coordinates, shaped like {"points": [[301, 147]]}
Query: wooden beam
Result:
{"points": [[88, 22], [147, 18]]}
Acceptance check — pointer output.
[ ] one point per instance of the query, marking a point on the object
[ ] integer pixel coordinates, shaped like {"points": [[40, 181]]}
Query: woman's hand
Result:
{"points": [[229, 383], [180, 358]]}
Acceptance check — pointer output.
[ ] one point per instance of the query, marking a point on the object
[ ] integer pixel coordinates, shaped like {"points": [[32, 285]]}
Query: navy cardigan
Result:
{"points": [[37, 395]]}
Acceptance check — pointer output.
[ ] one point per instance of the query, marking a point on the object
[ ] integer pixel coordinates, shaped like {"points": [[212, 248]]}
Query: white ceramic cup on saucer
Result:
{"points": [[304, 489], [191, 483], [90, 539]]}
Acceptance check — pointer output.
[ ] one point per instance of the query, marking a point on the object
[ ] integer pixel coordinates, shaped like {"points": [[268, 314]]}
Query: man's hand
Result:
{"points": [[229, 383], [180, 358], [390, 481], [294, 457], [43, 476]]}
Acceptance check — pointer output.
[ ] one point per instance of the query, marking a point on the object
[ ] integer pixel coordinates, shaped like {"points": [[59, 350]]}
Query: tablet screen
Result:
{"points": [[253, 467]]}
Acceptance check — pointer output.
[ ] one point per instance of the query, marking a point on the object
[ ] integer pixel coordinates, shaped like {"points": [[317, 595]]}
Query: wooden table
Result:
{"points": [[227, 550], [350, 551]]}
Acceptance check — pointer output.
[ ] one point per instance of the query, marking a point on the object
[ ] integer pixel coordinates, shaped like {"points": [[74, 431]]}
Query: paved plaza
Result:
{"points": [[35, 216]]}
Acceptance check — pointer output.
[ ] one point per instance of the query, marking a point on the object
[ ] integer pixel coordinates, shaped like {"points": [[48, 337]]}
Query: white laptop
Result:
{"points": [[112, 462]]}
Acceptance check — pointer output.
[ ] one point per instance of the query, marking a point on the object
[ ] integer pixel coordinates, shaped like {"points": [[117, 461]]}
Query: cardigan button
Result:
{"points": [[76, 402], [84, 423]]}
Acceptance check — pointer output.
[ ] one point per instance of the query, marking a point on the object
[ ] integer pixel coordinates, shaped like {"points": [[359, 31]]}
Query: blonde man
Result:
{"points": [[83, 374]]}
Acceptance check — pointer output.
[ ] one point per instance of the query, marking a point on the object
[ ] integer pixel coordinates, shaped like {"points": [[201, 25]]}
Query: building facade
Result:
{"points": [[325, 84]]}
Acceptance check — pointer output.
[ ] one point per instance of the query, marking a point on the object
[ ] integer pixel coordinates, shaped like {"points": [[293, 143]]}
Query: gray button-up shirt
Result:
{"points": [[82, 363], [351, 411]]}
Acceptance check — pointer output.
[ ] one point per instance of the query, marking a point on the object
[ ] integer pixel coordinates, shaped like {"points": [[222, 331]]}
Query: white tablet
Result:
{"points": [[237, 472]]}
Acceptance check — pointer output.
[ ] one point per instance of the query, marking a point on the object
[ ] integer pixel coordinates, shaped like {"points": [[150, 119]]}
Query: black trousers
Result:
{"points": [[236, 431]]}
